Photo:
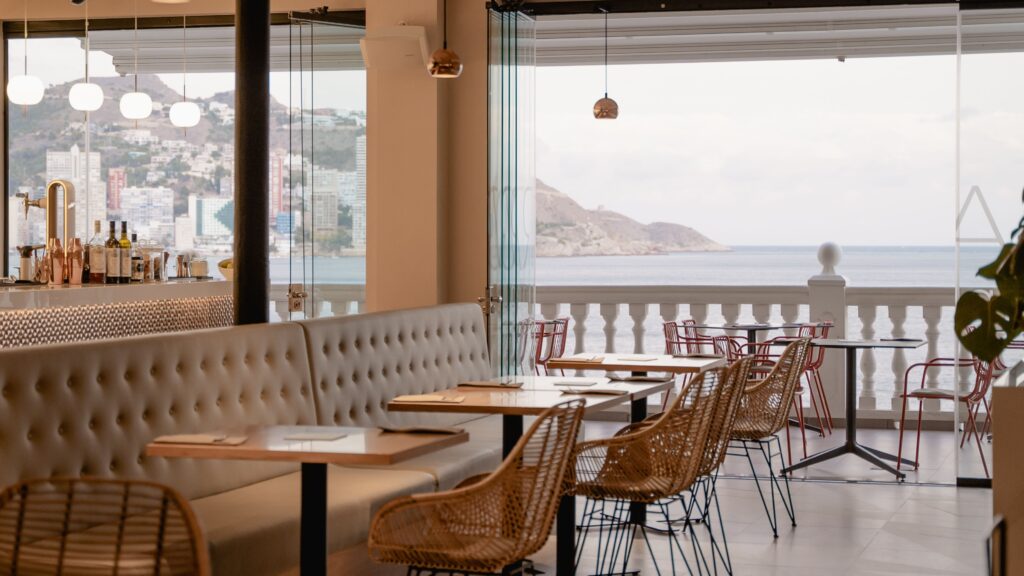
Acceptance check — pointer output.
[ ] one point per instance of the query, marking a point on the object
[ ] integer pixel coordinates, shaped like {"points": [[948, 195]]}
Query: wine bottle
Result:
{"points": [[126, 255], [96, 256], [138, 267], [113, 256]]}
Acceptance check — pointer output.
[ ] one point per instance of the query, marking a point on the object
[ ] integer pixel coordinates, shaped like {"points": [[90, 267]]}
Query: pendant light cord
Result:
{"points": [[184, 58], [86, 42], [135, 42], [26, 37], [445, 26], [605, 52]]}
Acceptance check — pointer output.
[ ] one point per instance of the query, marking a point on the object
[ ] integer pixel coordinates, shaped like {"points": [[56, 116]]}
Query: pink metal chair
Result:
{"points": [[551, 337], [972, 400]]}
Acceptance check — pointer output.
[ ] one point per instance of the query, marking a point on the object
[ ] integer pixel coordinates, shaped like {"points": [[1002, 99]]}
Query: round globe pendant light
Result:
{"points": [[606, 108], [184, 114], [445, 63], [25, 90], [136, 105], [86, 96]]}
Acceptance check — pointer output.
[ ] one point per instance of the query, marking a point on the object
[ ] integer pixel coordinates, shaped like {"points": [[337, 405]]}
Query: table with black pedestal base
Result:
{"points": [[355, 446], [537, 394], [851, 446]]}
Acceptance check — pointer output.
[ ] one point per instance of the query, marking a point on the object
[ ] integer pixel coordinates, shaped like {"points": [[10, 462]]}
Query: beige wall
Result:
{"points": [[426, 164]]}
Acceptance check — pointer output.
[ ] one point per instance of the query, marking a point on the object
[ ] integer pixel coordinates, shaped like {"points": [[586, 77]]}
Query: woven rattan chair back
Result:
{"points": [[490, 524], [734, 382], [86, 527], [764, 407], [656, 461]]}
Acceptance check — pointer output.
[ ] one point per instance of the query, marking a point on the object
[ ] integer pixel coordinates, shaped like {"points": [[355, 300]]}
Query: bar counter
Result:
{"points": [[25, 297]]}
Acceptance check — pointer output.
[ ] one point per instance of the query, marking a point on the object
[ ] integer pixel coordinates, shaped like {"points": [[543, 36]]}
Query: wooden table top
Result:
{"points": [[634, 389], [511, 401], [637, 363], [358, 446]]}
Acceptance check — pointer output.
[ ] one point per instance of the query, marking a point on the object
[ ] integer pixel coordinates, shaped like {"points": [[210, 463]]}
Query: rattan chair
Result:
{"points": [[763, 413], [93, 527], [648, 465], [493, 523]]}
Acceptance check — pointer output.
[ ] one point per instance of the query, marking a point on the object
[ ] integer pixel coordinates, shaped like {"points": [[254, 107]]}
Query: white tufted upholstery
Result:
{"points": [[359, 363], [90, 408]]}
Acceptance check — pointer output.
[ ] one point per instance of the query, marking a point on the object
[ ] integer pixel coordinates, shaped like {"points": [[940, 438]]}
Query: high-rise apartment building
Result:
{"points": [[117, 180], [83, 171], [150, 212], [359, 206], [276, 184]]}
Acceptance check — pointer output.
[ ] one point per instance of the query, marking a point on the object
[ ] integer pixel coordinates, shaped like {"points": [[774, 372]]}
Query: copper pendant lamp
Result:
{"points": [[445, 63], [606, 108]]}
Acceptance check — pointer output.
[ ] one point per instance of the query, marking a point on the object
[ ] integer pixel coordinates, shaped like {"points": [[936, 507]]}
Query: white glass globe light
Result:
{"points": [[25, 90], [86, 97], [136, 105], [184, 114]]}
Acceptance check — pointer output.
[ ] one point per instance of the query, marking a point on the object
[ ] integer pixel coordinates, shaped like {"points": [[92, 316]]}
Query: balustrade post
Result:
{"points": [[867, 315], [932, 317], [827, 298], [669, 313], [790, 315], [549, 311], [609, 312], [339, 307], [579, 312], [699, 313], [281, 306], [638, 312], [731, 313], [898, 316]]}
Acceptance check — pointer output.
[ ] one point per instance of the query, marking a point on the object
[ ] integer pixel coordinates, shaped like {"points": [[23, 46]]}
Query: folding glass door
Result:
{"points": [[511, 219], [318, 172]]}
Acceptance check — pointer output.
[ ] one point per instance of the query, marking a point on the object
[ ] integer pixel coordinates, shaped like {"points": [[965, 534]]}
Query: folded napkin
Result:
{"points": [[315, 436], [699, 356], [217, 439], [585, 358], [436, 398], [510, 384], [422, 429], [594, 391], [655, 379]]}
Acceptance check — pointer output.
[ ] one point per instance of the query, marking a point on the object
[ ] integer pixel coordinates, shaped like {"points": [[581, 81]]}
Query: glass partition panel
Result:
{"points": [[991, 143], [511, 214], [319, 219]]}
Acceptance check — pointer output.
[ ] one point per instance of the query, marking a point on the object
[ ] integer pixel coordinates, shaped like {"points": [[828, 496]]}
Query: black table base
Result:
{"points": [[313, 528], [851, 446]]}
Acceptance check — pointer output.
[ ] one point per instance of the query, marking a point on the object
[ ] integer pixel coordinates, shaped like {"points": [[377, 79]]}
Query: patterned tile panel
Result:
{"points": [[104, 321]]}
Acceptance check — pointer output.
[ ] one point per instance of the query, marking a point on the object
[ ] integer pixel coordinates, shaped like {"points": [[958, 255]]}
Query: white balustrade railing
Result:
{"points": [[322, 300], [629, 319]]}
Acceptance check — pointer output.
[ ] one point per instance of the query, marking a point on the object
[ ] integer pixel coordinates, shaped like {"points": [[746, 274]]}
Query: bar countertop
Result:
{"points": [[21, 297]]}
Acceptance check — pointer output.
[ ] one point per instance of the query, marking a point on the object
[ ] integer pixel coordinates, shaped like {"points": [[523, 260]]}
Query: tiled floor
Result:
{"points": [[845, 528]]}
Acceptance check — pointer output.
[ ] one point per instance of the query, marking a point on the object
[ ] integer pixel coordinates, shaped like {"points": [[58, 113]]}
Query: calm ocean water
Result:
{"points": [[744, 265]]}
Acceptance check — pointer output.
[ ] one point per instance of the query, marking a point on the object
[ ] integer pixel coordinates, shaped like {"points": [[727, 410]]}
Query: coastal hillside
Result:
{"points": [[564, 228]]}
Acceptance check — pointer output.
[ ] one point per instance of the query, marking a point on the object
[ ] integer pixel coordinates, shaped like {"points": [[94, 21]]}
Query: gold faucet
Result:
{"points": [[49, 203]]}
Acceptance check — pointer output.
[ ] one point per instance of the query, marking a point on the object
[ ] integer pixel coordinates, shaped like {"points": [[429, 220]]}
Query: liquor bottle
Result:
{"points": [[96, 256], [113, 255], [138, 267], [126, 255]]}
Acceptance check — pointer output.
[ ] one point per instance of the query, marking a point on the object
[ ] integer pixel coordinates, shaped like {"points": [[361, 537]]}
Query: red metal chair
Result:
{"points": [[973, 401], [551, 337]]}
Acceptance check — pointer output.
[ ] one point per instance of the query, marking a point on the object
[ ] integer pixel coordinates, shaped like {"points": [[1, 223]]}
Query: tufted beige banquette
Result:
{"points": [[90, 408]]}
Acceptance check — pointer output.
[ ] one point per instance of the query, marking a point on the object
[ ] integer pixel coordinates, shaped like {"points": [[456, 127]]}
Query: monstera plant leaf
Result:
{"points": [[987, 321]]}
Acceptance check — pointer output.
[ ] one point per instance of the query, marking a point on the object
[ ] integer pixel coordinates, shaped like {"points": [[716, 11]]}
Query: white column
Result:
{"points": [[898, 316], [699, 313], [827, 297], [867, 314], [549, 311], [762, 312], [579, 312], [638, 312]]}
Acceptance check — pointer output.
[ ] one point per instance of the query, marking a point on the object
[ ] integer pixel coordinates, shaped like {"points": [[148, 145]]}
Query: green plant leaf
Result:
{"points": [[996, 321]]}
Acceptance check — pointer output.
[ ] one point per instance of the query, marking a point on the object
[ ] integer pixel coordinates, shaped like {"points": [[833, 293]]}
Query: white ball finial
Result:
{"points": [[829, 255]]}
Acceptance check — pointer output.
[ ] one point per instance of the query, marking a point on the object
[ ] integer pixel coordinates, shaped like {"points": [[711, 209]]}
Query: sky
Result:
{"points": [[861, 152]]}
